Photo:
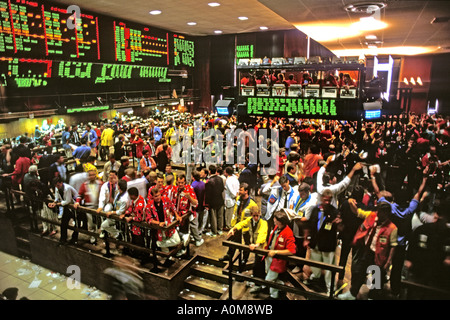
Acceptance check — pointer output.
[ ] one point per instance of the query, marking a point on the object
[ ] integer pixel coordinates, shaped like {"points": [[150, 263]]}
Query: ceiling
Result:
{"points": [[408, 22]]}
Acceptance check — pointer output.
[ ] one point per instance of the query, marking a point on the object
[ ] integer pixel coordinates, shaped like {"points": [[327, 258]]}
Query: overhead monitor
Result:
{"points": [[372, 114], [299, 60], [329, 92], [255, 62], [278, 61], [262, 90], [243, 62], [279, 90], [295, 90], [223, 107], [348, 94]]}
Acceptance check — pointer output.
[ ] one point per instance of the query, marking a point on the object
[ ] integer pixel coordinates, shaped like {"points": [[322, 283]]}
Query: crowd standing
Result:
{"points": [[377, 189]]}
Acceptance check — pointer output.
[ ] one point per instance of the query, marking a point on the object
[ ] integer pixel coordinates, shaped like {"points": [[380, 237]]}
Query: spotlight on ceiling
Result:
{"points": [[365, 7]]}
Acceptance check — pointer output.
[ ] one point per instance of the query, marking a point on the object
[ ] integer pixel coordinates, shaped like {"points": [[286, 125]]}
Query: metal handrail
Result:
{"points": [[228, 270]]}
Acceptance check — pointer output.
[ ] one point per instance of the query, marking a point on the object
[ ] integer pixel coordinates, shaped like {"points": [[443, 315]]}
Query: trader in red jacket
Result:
{"points": [[374, 244], [281, 243]]}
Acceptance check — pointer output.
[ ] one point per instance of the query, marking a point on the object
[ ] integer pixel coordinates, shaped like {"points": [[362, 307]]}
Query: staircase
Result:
{"points": [[206, 281]]}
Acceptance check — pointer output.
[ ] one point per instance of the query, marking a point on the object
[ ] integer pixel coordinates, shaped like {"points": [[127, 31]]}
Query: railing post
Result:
{"points": [[230, 277], [107, 247], [333, 278]]}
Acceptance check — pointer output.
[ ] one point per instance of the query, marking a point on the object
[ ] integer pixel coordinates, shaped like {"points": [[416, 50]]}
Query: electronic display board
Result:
{"points": [[45, 30], [183, 51], [27, 73], [139, 44], [31, 29], [314, 108], [48, 48], [245, 51]]}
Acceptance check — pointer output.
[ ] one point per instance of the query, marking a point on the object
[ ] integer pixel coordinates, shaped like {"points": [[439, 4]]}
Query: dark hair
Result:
{"points": [[196, 175], [282, 217], [290, 167], [358, 193], [160, 175], [123, 185], [229, 171], [91, 158], [283, 180], [212, 169], [113, 171], [56, 180], [181, 176], [245, 186], [133, 191]]}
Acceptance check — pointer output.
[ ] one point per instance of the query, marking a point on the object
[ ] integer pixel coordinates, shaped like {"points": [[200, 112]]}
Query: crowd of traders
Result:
{"points": [[378, 189]]}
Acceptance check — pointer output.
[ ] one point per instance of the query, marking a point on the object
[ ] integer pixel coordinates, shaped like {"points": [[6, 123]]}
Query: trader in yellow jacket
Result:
{"points": [[241, 211], [257, 230], [106, 141]]}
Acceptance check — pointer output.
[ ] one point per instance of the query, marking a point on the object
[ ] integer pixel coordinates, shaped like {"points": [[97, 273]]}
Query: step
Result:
{"points": [[212, 261], [23, 241], [187, 294], [209, 272], [205, 286]]}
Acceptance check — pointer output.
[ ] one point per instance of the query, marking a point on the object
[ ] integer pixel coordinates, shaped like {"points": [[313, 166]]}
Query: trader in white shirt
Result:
{"points": [[231, 192], [327, 180]]}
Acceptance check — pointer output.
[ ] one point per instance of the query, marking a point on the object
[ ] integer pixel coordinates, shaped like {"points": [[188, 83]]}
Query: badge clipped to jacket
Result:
{"points": [[272, 199]]}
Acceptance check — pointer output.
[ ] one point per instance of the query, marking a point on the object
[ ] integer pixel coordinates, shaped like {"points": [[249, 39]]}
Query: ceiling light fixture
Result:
{"points": [[263, 28], [365, 7], [371, 37], [218, 31], [243, 18], [213, 4], [192, 23], [155, 12], [369, 24]]}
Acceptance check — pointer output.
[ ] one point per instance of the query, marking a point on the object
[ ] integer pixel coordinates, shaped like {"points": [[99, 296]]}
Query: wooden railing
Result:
{"points": [[35, 217]]}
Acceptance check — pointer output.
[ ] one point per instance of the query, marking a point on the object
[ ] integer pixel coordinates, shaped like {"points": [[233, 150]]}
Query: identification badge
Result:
{"points": [[383, 240], [300, 214], [328, 226], [281, 240], [272, 199]]}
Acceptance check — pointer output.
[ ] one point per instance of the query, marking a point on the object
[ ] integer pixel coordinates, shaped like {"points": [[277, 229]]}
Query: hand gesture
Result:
{"points": [[358, 166]]}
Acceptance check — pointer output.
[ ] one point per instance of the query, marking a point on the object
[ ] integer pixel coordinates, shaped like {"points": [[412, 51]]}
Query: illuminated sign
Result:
{"points": [[389, 67], [301, 107], [184, 51], [88, 109], [28, 73], [244, 52], [139, 44]]}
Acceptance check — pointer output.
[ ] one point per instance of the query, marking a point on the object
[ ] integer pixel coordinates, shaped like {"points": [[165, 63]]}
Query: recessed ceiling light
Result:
{"points": [[372, 47], [263, 28], [371, 37], [218, 31], [243, 18], [155, 12], [213, 4], [192, 23]]}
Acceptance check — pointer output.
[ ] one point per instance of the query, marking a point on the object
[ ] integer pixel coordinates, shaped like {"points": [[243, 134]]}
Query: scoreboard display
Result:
{"points": [[46, 45], [315, 108]]}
